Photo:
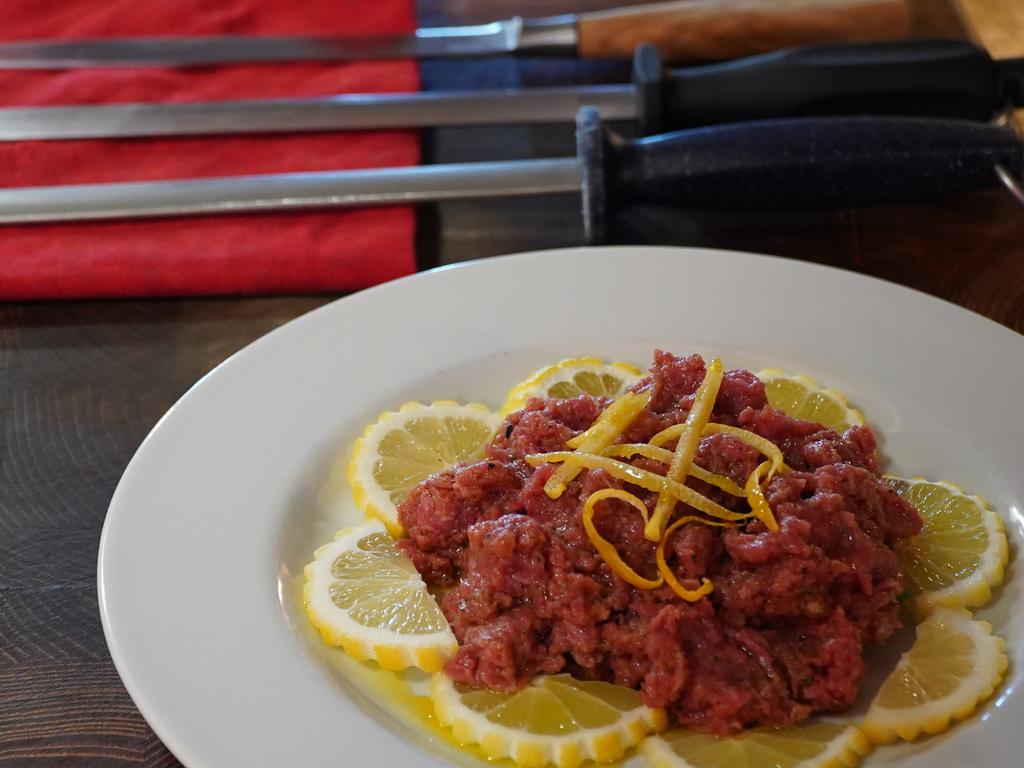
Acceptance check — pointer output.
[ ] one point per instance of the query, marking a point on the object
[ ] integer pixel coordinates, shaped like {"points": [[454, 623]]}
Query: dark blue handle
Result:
{"points": [[792, 164]]}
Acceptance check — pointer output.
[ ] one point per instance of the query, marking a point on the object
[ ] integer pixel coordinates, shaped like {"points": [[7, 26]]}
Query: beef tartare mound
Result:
{"points": [[793, 605]]}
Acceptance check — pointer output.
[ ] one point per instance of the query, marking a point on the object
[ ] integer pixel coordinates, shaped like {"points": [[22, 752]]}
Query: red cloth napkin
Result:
{"points": [[331, 250]]}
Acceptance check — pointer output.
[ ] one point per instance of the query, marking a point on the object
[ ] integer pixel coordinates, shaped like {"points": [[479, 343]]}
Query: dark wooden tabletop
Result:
{"points": [[83, 382]]}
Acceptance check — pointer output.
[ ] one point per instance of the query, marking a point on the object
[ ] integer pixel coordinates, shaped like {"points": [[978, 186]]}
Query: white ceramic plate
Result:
{"points": [[209, 529]]}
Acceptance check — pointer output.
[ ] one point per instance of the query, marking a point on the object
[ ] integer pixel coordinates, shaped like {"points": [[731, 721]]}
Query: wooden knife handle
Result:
{"points": [[708, 30]]}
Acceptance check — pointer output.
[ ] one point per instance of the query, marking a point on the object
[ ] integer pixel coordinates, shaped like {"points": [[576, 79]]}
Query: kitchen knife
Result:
{"points": [[938, 78], [685, 30], [766, 165]]}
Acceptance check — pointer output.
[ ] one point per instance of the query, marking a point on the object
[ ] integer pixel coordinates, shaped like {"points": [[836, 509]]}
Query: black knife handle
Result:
{"points": [[933, 78], [820, 162]]}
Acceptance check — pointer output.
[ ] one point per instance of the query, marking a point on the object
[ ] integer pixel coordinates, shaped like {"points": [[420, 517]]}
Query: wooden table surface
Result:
{"points": [[83, 382]]}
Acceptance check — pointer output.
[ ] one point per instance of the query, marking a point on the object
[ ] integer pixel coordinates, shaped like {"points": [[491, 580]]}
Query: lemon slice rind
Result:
{"points": [[884, 724], [975, 589], [375, 501], [844, 750], [531, 750], [850, 416], [538, 383], [390, 649]]}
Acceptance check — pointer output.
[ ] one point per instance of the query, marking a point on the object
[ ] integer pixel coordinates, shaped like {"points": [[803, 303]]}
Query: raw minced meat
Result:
{"points": [[781, 636]]}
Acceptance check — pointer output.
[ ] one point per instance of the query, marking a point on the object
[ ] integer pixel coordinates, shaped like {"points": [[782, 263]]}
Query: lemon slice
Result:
{"points": [[555, 720], [816, 745], [961, 552], [802, 398], [404, 447], [362, 594], [954, 664], [573, 377]]}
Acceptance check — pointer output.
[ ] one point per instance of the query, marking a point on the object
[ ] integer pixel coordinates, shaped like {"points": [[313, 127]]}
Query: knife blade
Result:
{"points": [[330, 113], [685, 30], [940, 78], [762, 165]]}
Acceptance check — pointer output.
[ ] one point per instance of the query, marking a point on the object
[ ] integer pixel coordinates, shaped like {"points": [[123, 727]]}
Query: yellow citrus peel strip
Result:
{"points": [[689, 595], [641, 477], [686, 448], [755, 497], [609, 425], [762, 445], [605, 548], [627, 450], [753, 491]]}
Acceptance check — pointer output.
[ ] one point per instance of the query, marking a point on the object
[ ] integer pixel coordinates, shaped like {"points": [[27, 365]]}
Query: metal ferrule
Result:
{"points": [[547, 36]]}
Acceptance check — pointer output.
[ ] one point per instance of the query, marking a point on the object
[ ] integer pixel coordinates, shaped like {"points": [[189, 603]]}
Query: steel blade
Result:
{"points": [[349, 112], [322, 189], [477, 40]]}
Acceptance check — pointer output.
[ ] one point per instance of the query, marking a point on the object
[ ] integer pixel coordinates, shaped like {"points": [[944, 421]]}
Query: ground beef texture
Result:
{"points": [[784, 631]]}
